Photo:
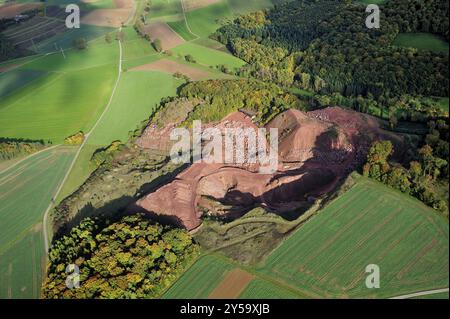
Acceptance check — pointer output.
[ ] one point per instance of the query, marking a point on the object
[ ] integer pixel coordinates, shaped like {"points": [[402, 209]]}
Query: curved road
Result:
{"points": [[421, 293], [46, 243]]}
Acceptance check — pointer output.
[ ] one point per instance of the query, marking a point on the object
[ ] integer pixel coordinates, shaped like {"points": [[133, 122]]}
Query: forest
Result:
{"points": [[130, 258], [324, 46], [221, 97], [426, 178]]}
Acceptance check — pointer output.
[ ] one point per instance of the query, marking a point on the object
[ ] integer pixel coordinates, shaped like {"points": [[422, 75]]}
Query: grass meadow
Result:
{"points": [[369, 224], [68, 98], [327, 256], [207, 56], [200, 279], [26, 190], [422, 41], [206, 20]]}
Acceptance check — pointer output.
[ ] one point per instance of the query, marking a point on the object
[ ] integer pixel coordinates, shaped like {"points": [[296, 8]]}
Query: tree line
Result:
{"points": [[12, 147], [426, 178]]}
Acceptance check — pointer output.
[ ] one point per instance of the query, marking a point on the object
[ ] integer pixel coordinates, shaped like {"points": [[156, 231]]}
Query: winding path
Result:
{"points": [[45, 220]]}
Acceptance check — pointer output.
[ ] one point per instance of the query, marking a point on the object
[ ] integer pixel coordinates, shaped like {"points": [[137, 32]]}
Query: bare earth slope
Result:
{"points": [[316, 150]]}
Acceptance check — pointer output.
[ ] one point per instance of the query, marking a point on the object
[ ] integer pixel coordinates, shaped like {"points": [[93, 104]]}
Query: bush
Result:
{"points": [[75, 139], [80, 43]]}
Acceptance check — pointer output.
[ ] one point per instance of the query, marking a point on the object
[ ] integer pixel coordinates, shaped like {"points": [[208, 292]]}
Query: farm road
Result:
{"points": [[45, 221], [421, 293]]}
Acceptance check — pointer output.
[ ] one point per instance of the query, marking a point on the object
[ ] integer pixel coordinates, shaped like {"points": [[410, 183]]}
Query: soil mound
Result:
{"points": [[316, 150]]}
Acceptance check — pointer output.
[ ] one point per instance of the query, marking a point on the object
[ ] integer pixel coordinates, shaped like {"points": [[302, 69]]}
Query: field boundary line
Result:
{"points": [[45, 219], [28, 157], [421, 293], [185, 20]]}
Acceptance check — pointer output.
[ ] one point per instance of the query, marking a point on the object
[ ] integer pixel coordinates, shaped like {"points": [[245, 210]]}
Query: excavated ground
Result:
{"points": [[316, 150]]}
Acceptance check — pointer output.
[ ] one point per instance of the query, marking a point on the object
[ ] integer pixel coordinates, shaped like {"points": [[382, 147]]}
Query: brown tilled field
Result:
{"points": [[106, 17], [232, 285], [10, 10], [124, 4], [190, 5], [171, 67], [160, 30], [110, 17]]}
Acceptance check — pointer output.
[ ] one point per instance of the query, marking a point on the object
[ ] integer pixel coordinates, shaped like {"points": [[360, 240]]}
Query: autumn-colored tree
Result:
{"points": [[130, 258]]}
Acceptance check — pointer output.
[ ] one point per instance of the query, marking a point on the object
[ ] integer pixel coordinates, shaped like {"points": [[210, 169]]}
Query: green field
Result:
{"points": [[138, 48], [261, 289], [327, 256], [180, 28], [161, 8], [138, 94], [65, 40], [370, 224], [200, 280], [68, 99], [26, 191], [136, 97], [204, 21], [371, 1], [208, 57], [15, 79], [422, 41], [242, 7]]}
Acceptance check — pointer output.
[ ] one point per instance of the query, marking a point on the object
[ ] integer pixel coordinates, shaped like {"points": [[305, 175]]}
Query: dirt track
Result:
{"points": [[316, 150]]}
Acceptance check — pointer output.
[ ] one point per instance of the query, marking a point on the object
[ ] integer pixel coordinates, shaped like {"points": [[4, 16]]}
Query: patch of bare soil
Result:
{"points": [[160, 30], [190, 5], [316, 150], [232, 285], [10, 10], [109, 17], [171, 67], [124, 4]]}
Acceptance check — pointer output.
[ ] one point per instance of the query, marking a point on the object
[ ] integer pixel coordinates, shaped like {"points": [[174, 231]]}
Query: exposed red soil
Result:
{"points": [[121, 4], [316, 150], [171, 67], [161, 30], [232, 285], [10, 10]]}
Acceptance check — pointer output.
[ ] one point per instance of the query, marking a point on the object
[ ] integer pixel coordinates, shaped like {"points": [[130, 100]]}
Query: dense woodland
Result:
{"points": [[221, 97], [325, 47], [11, 147], [130, 258], [426, 178]]}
